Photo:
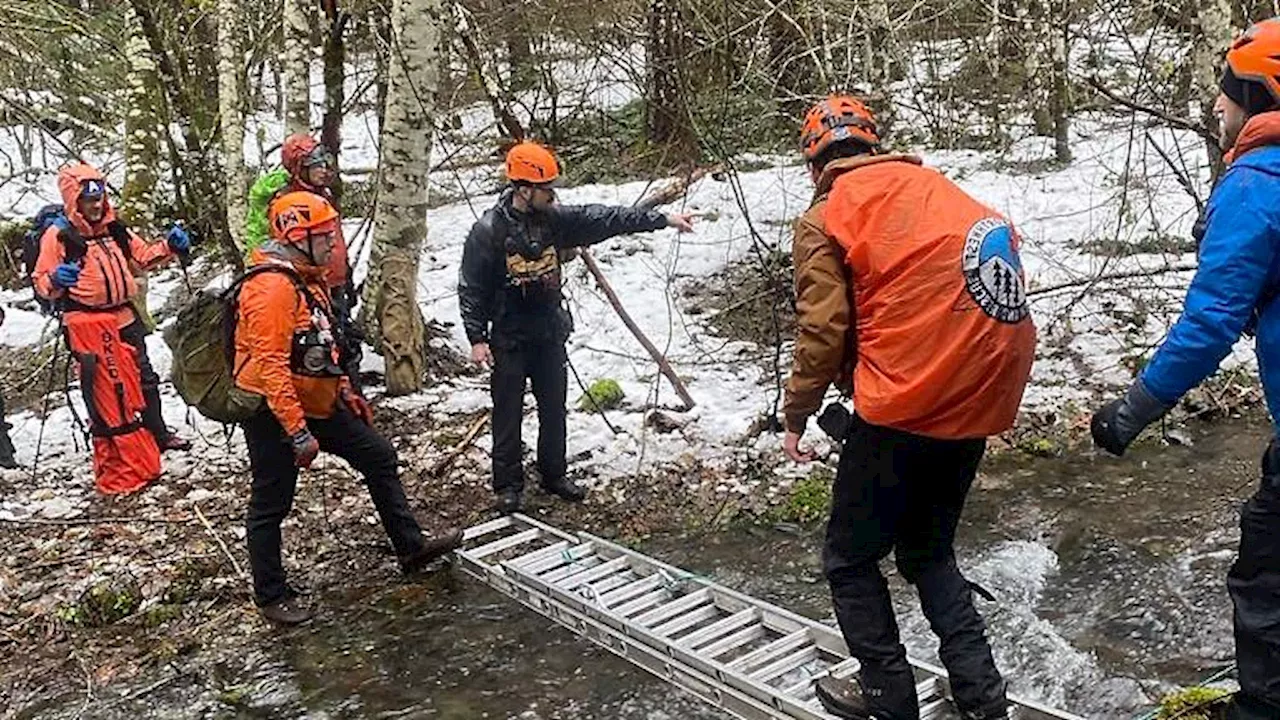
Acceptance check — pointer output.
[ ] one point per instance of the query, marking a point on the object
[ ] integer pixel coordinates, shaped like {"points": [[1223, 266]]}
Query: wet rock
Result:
{"points": [[663, 422]]}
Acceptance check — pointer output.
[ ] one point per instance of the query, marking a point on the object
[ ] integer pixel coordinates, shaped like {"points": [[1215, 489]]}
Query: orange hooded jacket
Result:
{"points": [[106, 276], [292, 156], [271, 311], [944, 336]]}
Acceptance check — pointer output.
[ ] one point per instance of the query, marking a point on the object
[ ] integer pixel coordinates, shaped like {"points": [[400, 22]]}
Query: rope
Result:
{"points": [[591, 399]]}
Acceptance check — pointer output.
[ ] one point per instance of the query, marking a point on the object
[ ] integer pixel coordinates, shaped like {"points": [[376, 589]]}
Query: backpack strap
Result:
{"points": [[120, 233]]}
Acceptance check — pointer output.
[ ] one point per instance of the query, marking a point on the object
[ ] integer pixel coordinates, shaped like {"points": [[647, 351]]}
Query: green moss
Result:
{"points": [[1195, 703], [102, 604], [158, 615], [1039, 446], [604, 394], [810, 498]]}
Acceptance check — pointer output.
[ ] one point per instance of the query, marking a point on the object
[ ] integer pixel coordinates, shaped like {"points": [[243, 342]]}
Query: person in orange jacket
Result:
{"points": [[286, 350], [911, 292], [101, 278]]}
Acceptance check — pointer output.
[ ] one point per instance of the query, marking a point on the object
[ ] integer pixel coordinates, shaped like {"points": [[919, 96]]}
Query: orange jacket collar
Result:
{"points": [[69, 181], [1260, 130], [836, 168], [273, 252]]}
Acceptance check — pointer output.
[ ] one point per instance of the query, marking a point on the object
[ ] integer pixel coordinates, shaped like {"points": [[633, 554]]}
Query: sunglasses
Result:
{"points": [[320, 157]]}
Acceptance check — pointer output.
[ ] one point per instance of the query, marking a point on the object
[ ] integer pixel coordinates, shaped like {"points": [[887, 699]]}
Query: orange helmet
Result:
{"points": [[1254, 58], [296, 216], [839, 117], [532, 163]]}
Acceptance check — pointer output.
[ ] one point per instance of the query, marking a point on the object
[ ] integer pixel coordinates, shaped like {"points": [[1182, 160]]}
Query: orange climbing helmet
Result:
{"points": [[839, 117], [531, 163], [1254, 60], [296, 216]]}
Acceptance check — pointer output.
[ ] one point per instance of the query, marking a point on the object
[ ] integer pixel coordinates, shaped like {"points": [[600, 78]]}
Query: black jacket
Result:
{"points": [[509, 282]]}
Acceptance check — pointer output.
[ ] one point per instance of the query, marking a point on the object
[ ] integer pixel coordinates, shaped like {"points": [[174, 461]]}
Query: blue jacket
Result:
{"points": [[1239, 270]]}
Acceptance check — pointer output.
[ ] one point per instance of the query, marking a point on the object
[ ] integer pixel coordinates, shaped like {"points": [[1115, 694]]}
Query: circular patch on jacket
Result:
{"points": [[993, 271]]}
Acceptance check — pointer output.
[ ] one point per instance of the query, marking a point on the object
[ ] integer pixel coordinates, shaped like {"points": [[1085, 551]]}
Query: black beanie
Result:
{"points": [[1248, 94]]}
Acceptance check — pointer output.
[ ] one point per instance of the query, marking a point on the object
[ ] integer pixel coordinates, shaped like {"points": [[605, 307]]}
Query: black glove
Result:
{"points": [[1118, 422], [835, 420]]}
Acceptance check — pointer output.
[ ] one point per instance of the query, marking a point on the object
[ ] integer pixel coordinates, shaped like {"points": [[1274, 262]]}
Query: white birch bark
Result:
{"points": [[297, 65], [231, 109]]}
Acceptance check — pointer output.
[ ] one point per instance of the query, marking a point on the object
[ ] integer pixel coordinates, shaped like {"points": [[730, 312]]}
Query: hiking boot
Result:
{"points": [[566, 489], [508, 501], [842, 698], [433, 549], [173, 441], [286, 611]]}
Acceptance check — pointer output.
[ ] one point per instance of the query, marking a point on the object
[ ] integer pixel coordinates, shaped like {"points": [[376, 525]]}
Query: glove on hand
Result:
{"points": [[305, 448], [1118, 422], [357, 405], [179, 240], [66, 275]]}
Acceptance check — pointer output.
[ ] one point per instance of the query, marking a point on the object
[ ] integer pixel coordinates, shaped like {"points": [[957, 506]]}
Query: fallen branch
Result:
{"points": [[217, 538], [492, 90], [461, 446], [663, 365], [1184, 267]]}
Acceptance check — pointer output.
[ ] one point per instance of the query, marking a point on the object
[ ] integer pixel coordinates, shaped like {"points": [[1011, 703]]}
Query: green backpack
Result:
{"points": [[203, 343]]}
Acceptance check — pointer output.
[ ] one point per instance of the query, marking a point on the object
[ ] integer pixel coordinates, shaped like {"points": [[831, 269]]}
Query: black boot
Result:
{"points": [[508, 501], [867, 696], [566, 489], [433, 549]]}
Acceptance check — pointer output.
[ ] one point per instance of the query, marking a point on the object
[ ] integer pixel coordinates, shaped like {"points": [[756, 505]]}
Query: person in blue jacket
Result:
{"points": [[1233, 292]]}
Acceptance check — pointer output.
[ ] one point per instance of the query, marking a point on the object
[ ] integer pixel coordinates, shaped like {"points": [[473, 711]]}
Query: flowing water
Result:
{"points": [[1109, 578]]}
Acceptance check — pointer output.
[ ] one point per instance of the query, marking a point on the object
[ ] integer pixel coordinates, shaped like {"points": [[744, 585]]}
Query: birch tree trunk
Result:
{"points": [[142, 131], [297, 66], [231, 110], [1213, 21], [335, 74], [1060, 92], [392, 320]]}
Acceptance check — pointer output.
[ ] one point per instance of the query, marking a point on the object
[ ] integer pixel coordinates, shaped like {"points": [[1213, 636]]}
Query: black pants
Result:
{"points": [[1254, 585], [135, 334], [900, 492], [275, 478], [544, 365]]}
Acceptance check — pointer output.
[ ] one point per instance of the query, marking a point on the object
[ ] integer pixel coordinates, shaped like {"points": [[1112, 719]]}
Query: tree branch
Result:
{"points": [[1173, 120]]}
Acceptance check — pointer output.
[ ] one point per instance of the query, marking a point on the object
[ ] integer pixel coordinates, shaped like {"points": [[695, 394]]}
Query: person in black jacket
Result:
{"points": [[509, 294]]}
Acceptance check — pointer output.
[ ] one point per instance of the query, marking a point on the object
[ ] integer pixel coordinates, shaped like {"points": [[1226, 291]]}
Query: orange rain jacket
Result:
{"points": [[943, 335], [106, 277], [270, 311]]}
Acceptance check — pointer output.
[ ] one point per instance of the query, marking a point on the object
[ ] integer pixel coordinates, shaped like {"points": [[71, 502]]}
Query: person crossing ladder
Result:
{"points": [[512, 308], [913, 292]]}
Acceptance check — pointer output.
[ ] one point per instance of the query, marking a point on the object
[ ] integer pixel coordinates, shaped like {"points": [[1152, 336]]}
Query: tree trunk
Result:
{"points": [[142, 125], [878, 57], [231, 84], [392, 320], [666, 116], [1060, 92], [297, 66], [1213, 22], [335, 54]]}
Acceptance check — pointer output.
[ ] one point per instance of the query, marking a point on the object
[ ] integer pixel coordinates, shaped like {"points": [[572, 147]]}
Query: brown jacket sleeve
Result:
{"points": [[823, 319]]}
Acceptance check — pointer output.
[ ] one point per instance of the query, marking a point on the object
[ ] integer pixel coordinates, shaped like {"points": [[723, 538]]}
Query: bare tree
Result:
{"points": [[231, 101], [392, 320], [1213, 23], [142, 131], [297, 65]]}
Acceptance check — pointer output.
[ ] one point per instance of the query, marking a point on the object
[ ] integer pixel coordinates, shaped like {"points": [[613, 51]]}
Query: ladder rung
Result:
{"points": [[631, 590], [556, 576], [642, 603], [786, 664], [541, 553], [841, 670], [606, 585], [505, 543], [563, 556], [674, 608], [734, 641], [802, 689], [719, 629], [688, 620], [934, 710], [586, 577], [929, 688], [784, 644], [476, 531]]}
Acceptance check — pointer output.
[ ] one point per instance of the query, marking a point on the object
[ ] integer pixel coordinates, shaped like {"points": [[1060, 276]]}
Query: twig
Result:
{"points": [[1184, 267], [1173, 120], [103, 520], [460, 446], [205, 521]]}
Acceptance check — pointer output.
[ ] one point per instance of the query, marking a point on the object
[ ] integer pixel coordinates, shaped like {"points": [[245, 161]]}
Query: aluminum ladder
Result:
{"points": [[752, 659]]}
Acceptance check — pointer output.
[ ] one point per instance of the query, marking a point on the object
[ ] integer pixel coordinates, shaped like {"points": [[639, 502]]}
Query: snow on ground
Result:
{"points": [[1085, 336]]}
